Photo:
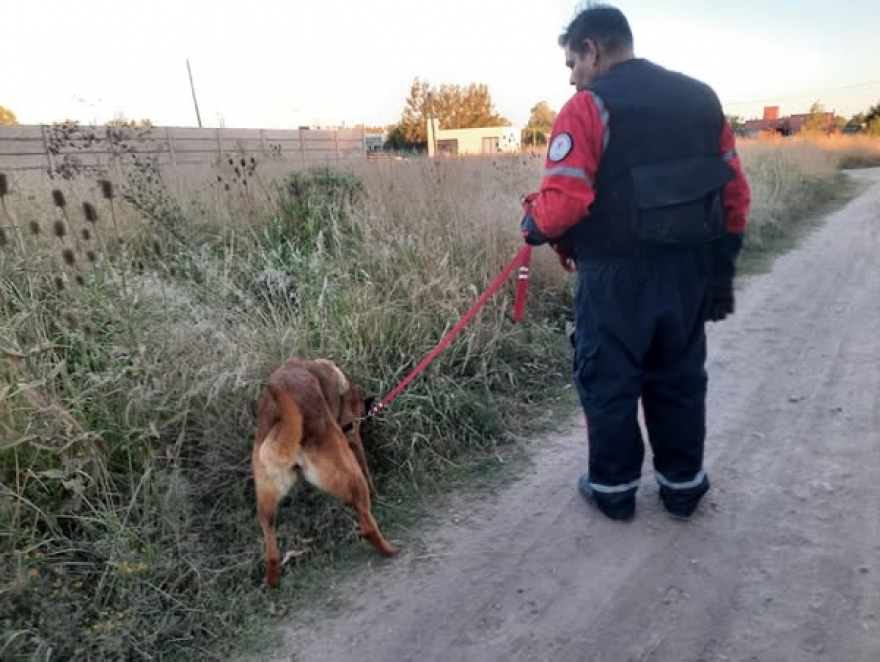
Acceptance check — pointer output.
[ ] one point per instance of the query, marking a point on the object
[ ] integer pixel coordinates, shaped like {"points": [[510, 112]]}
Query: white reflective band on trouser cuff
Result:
{"points": [[568, 171], [614, 489], [696, 481]]}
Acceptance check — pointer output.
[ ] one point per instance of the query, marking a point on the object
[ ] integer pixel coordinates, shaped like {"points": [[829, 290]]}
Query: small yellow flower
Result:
{"points": [[33, 572]]}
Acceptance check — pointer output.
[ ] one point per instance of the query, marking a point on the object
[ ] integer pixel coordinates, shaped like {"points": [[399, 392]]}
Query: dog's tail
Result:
{"points": [[291, 414]]}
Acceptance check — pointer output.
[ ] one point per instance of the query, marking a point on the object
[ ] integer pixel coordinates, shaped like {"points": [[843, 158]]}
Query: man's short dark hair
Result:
{"points": [[604, 24]]}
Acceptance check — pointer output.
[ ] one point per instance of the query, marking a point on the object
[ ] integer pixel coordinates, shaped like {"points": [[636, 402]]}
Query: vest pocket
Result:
{"points": [[679, 202]]}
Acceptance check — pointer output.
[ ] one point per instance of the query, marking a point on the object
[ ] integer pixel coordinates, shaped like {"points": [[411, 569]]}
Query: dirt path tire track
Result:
{"points": [[782, 563]]}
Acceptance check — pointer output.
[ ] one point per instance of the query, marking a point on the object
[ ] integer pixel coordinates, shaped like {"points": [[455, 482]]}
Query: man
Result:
{"points": [[643, 191]]}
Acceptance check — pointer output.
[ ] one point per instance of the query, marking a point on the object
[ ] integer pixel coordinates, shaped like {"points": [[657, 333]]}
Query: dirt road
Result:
{"points": [[781, 565]]}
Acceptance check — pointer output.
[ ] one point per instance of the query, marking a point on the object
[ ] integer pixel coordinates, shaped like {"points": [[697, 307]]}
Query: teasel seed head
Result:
{"points": [[69, 257], [90, 212], [60, 228], [34, 227], [106, 189], [58, 198], [4, 185]]}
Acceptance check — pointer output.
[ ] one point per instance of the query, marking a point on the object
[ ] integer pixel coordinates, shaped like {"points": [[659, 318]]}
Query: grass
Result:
{"points": [[136, 334]]}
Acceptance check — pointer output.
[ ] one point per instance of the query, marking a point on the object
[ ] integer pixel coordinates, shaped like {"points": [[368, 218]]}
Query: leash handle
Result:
{"points": [[522, 257], [522, 285]]}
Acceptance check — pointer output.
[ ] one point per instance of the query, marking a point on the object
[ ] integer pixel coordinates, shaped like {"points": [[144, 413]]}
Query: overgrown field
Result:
{"points": [[140, 316]]}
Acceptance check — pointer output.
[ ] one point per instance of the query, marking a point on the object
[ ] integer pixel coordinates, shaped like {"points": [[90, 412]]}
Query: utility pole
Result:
{"points": [[433, 126], [192, 87]]}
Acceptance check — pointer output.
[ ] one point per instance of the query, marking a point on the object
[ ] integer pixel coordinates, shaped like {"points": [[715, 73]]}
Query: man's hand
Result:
{"points": [[722, 301], [529, 229]]}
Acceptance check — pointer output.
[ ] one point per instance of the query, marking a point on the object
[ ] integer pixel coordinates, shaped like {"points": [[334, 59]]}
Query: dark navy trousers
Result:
{"points": [[639, 334]]}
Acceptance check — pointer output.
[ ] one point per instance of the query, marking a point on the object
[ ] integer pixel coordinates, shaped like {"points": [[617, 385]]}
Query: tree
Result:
{"points": [[872, 120], [369, 128], [121, 121], [396, 140], [7, 117], [454, 106], [539, 125], [818, 121], [736, 124]]}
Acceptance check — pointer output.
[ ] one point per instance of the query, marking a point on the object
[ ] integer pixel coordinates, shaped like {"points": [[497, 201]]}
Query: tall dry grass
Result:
{"points": [[136, 331]]}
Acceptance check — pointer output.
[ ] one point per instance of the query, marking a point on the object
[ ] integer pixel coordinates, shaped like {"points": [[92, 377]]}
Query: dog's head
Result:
{"points": [[354, 404]]}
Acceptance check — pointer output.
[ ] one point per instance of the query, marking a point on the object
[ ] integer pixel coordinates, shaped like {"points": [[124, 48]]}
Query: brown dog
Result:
{"points": [[301, 416]]}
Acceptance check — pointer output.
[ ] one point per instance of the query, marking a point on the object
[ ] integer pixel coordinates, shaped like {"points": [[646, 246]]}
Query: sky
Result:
{"points": [[262, 64]]}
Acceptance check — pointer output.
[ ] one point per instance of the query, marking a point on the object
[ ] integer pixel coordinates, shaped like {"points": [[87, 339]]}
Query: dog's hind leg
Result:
{"points": [[333, 468], [358, 450], [272, 480], [267, 502]]}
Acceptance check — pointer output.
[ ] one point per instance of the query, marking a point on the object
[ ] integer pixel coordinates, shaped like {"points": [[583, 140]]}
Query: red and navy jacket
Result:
{"points": [[636, 115]]}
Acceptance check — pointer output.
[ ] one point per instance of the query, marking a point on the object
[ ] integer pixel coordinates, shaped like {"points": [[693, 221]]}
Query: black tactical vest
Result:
{"points": [[661, 174]]}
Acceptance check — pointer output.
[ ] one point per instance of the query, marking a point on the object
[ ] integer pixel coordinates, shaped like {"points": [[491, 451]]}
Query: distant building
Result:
{"points": [[483, 140], [375, 141], [789, 125]]}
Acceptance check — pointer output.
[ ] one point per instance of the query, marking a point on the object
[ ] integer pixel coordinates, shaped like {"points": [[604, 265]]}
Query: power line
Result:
{"points": [[804, 94]]}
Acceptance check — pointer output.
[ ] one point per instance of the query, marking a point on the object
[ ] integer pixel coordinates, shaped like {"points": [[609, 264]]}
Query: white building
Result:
{"points": [[483, 140]]}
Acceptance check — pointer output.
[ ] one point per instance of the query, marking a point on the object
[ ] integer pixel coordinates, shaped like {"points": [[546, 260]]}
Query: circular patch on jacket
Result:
{"points": [[560, 146]]}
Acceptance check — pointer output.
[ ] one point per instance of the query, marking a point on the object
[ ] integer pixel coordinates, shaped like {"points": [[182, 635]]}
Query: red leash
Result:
{"points": [[522, 260]]}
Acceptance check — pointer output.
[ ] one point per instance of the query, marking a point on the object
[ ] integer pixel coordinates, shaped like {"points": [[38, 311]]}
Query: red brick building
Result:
{"points": [[789, 125]]}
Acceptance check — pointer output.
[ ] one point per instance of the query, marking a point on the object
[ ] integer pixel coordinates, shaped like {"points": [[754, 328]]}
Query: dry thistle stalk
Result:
{"points": [[4, 191]]}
